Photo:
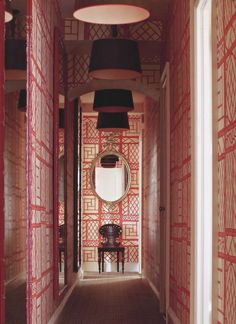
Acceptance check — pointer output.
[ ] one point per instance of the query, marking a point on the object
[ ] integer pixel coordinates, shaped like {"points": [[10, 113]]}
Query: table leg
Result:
{"points": [[102, 261], [123, 261], [99, 261], [118, 260]]}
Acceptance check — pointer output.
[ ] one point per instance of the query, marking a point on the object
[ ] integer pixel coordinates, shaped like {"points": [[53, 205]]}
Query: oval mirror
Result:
{"points": [[110, 176]]}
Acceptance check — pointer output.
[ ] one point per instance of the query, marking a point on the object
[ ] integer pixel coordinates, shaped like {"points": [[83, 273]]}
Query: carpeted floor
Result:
{"points": [[117, 300], [16, 302]]}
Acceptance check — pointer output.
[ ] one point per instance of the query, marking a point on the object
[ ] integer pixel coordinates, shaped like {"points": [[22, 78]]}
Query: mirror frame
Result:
{"points": [[58, 47], [99, 156]]}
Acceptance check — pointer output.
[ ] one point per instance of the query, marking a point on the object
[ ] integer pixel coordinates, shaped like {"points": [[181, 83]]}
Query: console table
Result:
{"points": [[106, 248]]}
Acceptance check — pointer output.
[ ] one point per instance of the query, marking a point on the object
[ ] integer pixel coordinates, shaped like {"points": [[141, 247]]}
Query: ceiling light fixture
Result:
{"points": [[113, 122], [8, 11], [113, 100], [109, 12], [115, 59]]}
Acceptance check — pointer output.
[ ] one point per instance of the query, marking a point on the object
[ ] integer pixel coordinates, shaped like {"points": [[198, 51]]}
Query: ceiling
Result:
{"points": [[157, 8]]}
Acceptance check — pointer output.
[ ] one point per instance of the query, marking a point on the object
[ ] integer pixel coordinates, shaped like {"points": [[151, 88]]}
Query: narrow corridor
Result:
{"points": [[115, 300]]}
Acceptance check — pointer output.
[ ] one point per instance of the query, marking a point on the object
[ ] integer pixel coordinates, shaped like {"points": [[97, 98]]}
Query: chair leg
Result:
{"points": [[99, 262], [118, 260], [123, 261], [102, 261]]}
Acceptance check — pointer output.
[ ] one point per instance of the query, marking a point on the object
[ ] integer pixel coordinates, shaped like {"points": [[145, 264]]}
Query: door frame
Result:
{"points": [[2, 106], [165, 189], [204, 166]]}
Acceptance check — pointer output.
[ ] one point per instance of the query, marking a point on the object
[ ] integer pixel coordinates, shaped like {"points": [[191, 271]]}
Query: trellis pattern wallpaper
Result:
{"points": [[151, 194], [180, 155], [95, 212], [14, 188], [226, 101], [43, 17]]}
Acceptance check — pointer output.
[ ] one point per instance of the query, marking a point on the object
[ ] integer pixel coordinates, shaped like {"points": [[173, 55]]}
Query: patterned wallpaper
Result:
{"points": [[180, 155], [43, 17], [14, 188], [151, 189], [226, 101], [95, 212]]}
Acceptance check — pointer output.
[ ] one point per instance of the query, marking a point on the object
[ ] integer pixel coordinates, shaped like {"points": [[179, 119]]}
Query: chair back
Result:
{"points": [[110, 234]]}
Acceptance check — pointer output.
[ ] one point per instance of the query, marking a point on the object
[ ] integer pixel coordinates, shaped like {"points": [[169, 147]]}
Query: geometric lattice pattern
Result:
{"points": [[180, 158], [14, 188], [226, 106], [148, 30], [42, 18], [95, 212], [151, 202]]}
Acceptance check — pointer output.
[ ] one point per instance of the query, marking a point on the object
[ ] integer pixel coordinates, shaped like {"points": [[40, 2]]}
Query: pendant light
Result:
{"points": [[109, 161], [8, 11], [113, 100], [113, 122], [109, 12], [115, 59]]}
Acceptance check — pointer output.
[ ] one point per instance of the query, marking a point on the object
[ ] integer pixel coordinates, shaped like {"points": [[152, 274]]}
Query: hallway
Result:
{"points": [[112, 300], [161, 178]]}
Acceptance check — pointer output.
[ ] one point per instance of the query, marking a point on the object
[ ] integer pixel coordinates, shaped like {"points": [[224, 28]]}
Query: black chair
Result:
{"points": [[110, 236]]}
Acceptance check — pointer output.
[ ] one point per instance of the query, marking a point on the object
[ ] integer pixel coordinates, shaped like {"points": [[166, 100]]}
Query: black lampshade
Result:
{"points": [[115, 59], [109, 161], [113, 122], [15, 54], [110, 12], [113, 100], [22, 101]]}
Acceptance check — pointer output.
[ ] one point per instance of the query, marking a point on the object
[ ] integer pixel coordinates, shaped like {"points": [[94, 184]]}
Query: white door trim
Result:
{"points": [[201, 268], [165, 180]]}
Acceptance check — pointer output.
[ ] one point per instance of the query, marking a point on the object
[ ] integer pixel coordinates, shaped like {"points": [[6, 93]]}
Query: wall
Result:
{"points": [[151, 190], [43, 17], [2, 81], [178, 49], [14, 188], [97, 213], [226, 126]]}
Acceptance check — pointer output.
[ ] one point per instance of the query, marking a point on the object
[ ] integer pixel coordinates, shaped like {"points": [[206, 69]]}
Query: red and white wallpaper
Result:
{"points": [[178, 33], [151, 194], [226, 106], [14, 188], [43, 17], [96, 212]]}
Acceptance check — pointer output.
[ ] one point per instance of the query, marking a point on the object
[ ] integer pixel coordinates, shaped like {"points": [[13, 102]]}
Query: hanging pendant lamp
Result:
{"points": [[113, 100], [115, 59], [109, 161], [113, 122], [8, 11], [109, 12]]}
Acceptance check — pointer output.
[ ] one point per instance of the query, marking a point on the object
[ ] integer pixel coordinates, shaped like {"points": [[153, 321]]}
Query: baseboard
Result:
{"points": [[156, 292], [60, 307], [110, 267], [171, 317]]}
